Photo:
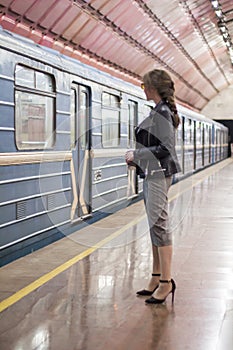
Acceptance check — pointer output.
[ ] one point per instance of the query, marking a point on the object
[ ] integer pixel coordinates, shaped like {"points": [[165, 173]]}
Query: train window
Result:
{"points": [[179, 135], [24, 77], [32, 79], [189, 132], [110, 100], [79, 116], [199, 134], [110, 120], [43, 82], [207, 135], [34, 109], [132, 120]]}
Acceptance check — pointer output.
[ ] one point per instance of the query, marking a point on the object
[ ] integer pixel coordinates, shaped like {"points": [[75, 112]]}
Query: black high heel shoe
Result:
{"points": [[148, 292], [153, 300]]}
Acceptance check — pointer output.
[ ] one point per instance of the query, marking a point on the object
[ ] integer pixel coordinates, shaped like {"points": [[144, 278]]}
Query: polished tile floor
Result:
{"points": [[79, 293]]}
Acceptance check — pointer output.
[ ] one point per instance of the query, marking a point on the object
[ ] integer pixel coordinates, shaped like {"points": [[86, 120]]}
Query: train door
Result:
{"points": [[194, 146], [221, 144], [203, 143], [216, 144], [199, 145], [179, 145], [188, 145], [183, 145], [132, 189], [213, 141], [209, 144], [80, 145]]}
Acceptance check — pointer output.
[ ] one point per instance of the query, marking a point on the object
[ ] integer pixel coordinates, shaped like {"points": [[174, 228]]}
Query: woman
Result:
{"points": [[156, 162]]}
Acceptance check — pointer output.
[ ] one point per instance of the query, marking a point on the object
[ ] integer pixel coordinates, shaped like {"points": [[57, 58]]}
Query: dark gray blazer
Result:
{"points": [[155, 143]]}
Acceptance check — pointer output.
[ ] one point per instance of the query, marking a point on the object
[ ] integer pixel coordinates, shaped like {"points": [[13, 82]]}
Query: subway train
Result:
{"points": [[64, 130]]}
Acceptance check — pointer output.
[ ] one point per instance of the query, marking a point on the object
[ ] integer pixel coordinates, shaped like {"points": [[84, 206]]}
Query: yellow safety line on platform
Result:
{"points": [[50, 275]]}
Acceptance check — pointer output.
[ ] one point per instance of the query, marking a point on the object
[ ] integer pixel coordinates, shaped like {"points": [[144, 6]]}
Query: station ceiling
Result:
{"points": [[191, 39]]}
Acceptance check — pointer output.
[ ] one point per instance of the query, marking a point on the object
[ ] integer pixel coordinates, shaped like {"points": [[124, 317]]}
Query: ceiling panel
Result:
{"points": [[60, 10], [19, 7]]}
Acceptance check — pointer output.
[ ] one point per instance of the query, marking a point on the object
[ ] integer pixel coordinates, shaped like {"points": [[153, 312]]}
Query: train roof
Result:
{"points": [[198, 116], [54, 58]]}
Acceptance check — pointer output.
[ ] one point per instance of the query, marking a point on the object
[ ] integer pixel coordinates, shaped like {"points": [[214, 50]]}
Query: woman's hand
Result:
{"points": [[129, 156]]}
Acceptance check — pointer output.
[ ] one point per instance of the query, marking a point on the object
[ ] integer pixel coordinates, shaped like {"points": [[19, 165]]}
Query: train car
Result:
{"points": [[200, 142], [64, 130]]}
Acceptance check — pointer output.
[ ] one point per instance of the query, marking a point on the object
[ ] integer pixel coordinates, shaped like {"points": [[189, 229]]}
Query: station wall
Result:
{"points": [[221, 106]]}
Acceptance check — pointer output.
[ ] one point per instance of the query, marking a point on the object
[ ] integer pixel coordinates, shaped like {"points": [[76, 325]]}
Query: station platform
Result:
{"points": [[79, 293]]}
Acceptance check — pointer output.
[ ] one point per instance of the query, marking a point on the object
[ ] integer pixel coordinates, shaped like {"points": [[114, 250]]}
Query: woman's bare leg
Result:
{"points": [[165, 260], [154, 281]]}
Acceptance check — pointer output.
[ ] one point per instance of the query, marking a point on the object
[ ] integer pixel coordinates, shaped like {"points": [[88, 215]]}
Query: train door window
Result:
{"points": [[79, 107], [132, 121], [179, 144], [179, 134], [199, 134], [83, 115], [34, 108], [188, 134], [110, 120], [188, 143], [73, 132]]}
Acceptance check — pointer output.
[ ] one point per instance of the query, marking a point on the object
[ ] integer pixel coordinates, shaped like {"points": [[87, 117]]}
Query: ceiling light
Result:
{"points": [[215, 4], [222, 28], [219, 13]]}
